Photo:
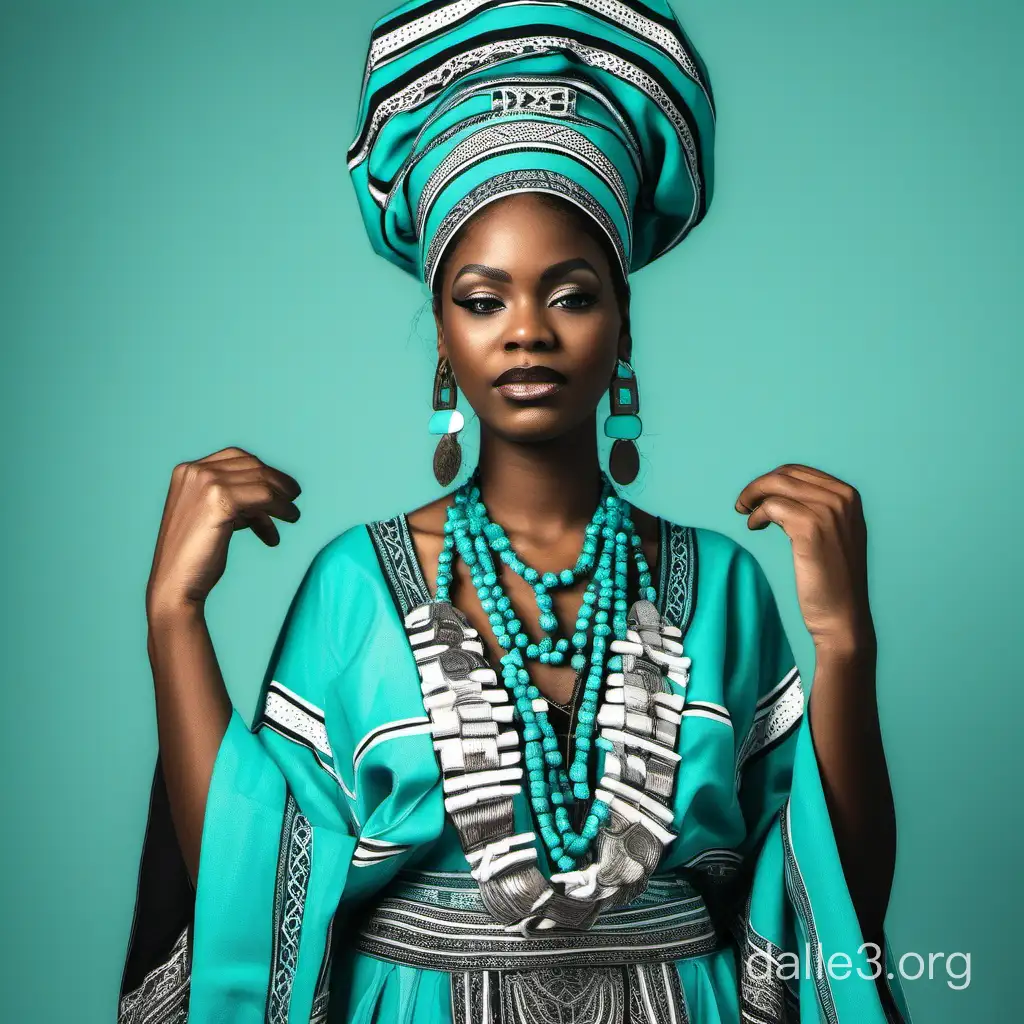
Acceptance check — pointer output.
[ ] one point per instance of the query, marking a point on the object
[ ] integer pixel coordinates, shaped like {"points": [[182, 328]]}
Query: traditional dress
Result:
{"points": [[370, 851], [333, 885]]}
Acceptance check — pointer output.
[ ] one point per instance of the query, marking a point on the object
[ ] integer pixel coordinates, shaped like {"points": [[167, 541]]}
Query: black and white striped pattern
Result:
{"points": [[709, 709], [370, 852], [776, 715], [400, 34], [295, 718], [402, 727]]}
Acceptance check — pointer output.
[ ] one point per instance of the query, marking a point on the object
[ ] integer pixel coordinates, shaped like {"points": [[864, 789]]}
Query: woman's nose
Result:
{"points": [[530, 330]]}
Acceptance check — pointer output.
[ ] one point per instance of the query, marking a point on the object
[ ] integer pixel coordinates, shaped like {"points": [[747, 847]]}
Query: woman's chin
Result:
{"points": [[537, 427]]}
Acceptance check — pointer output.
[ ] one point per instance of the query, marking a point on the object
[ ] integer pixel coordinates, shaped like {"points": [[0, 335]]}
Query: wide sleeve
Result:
{"points": [[252, 942], [804, 957]]}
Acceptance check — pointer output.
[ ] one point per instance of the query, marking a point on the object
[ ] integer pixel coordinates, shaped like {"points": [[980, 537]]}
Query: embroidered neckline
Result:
{"points": [[676, 569]]}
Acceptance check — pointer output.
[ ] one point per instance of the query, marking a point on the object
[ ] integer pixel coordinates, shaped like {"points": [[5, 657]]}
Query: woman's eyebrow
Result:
{"points": [[494, 273], [560, 269]]}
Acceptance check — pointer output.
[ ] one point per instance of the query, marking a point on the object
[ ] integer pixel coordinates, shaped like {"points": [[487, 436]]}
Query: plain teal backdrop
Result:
{"points": [[184, 268]]}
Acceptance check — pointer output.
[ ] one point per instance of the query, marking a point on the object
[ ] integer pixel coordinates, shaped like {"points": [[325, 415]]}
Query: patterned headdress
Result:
{"points": [[602, 102]]}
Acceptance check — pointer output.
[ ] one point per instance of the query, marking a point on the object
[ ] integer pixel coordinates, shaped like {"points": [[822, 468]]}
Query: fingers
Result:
{"points": [[235, 460], [263, 526], [253, 473], [789, 513], [246, 500], [845, 491], [803, 488], [231, 452]]}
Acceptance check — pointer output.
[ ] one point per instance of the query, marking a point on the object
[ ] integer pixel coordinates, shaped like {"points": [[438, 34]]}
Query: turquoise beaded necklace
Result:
{"points": [[609, 538]]}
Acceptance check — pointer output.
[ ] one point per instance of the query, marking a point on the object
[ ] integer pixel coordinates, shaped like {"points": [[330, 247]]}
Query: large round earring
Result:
{"points": [[446, 421], [623, 424]]}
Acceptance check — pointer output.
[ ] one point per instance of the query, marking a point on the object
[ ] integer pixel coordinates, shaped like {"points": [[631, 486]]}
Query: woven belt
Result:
{"points": [[437, 920]]}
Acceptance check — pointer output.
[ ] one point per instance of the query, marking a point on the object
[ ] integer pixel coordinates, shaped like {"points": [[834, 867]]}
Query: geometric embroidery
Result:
{"points": [[570, 995], [425, 87], [776, 715], [516, 135], [677, 578], [514, 181], [797, 890], [405, 35], [162, 997], [293, 870], [322, 993], [545, 99], [397, 558]]}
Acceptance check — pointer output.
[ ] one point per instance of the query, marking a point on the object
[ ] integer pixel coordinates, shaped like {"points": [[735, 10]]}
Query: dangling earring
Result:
{"points": [[446, 421], [623, 424]]}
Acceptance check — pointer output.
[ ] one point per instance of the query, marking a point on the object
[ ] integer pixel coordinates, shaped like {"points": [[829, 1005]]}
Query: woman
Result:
{"points": [[485, 782]]}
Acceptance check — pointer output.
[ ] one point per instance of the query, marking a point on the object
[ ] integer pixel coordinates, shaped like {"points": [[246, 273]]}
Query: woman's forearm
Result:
{"points": [[192, 710], [848, 746]]}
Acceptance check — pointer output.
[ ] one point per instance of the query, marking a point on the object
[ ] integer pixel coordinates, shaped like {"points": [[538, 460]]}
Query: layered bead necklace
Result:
{"points": [[609, 539]]}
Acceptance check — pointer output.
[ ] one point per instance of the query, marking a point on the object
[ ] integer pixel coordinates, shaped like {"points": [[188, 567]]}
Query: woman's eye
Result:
{"points": [[480, 304], [575, 300]]}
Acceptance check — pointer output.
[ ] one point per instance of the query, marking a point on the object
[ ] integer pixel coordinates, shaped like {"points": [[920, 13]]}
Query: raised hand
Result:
{"points": [[823, 519], [208, 500]]}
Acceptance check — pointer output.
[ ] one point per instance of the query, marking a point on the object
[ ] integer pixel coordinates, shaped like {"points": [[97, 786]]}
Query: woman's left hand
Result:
{"points": [[823, 519]]}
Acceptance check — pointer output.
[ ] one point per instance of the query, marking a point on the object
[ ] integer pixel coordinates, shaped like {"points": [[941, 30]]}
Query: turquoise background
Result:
{"points": [[184, 269]]}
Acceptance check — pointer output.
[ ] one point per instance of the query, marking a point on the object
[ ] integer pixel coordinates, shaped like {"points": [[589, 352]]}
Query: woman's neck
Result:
{"points": [[546, 486]]}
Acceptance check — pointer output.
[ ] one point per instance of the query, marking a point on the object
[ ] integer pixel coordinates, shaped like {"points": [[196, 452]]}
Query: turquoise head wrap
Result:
{"points": [[602, 102]]}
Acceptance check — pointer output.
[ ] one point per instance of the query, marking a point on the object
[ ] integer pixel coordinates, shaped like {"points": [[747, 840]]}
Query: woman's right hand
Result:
{"points": [[207, 501]]}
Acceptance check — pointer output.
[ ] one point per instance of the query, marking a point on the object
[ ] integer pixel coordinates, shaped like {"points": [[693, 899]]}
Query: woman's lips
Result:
{"points": [[525, 391]]}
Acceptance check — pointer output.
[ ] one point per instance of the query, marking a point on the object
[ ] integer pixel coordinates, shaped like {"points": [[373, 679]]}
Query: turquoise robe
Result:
{"points": [[332, 887]]}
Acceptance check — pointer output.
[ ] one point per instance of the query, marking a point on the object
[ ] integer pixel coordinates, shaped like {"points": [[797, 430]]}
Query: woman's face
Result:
{"points": [[529, 319]]}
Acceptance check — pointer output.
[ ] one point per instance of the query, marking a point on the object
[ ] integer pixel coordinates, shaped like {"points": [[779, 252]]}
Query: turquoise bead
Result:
{"points": [[608, 538], [446, 421]]}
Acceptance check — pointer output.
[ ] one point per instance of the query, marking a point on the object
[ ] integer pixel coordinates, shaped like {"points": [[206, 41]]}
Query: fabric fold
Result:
{"points": [[798, 934]]}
